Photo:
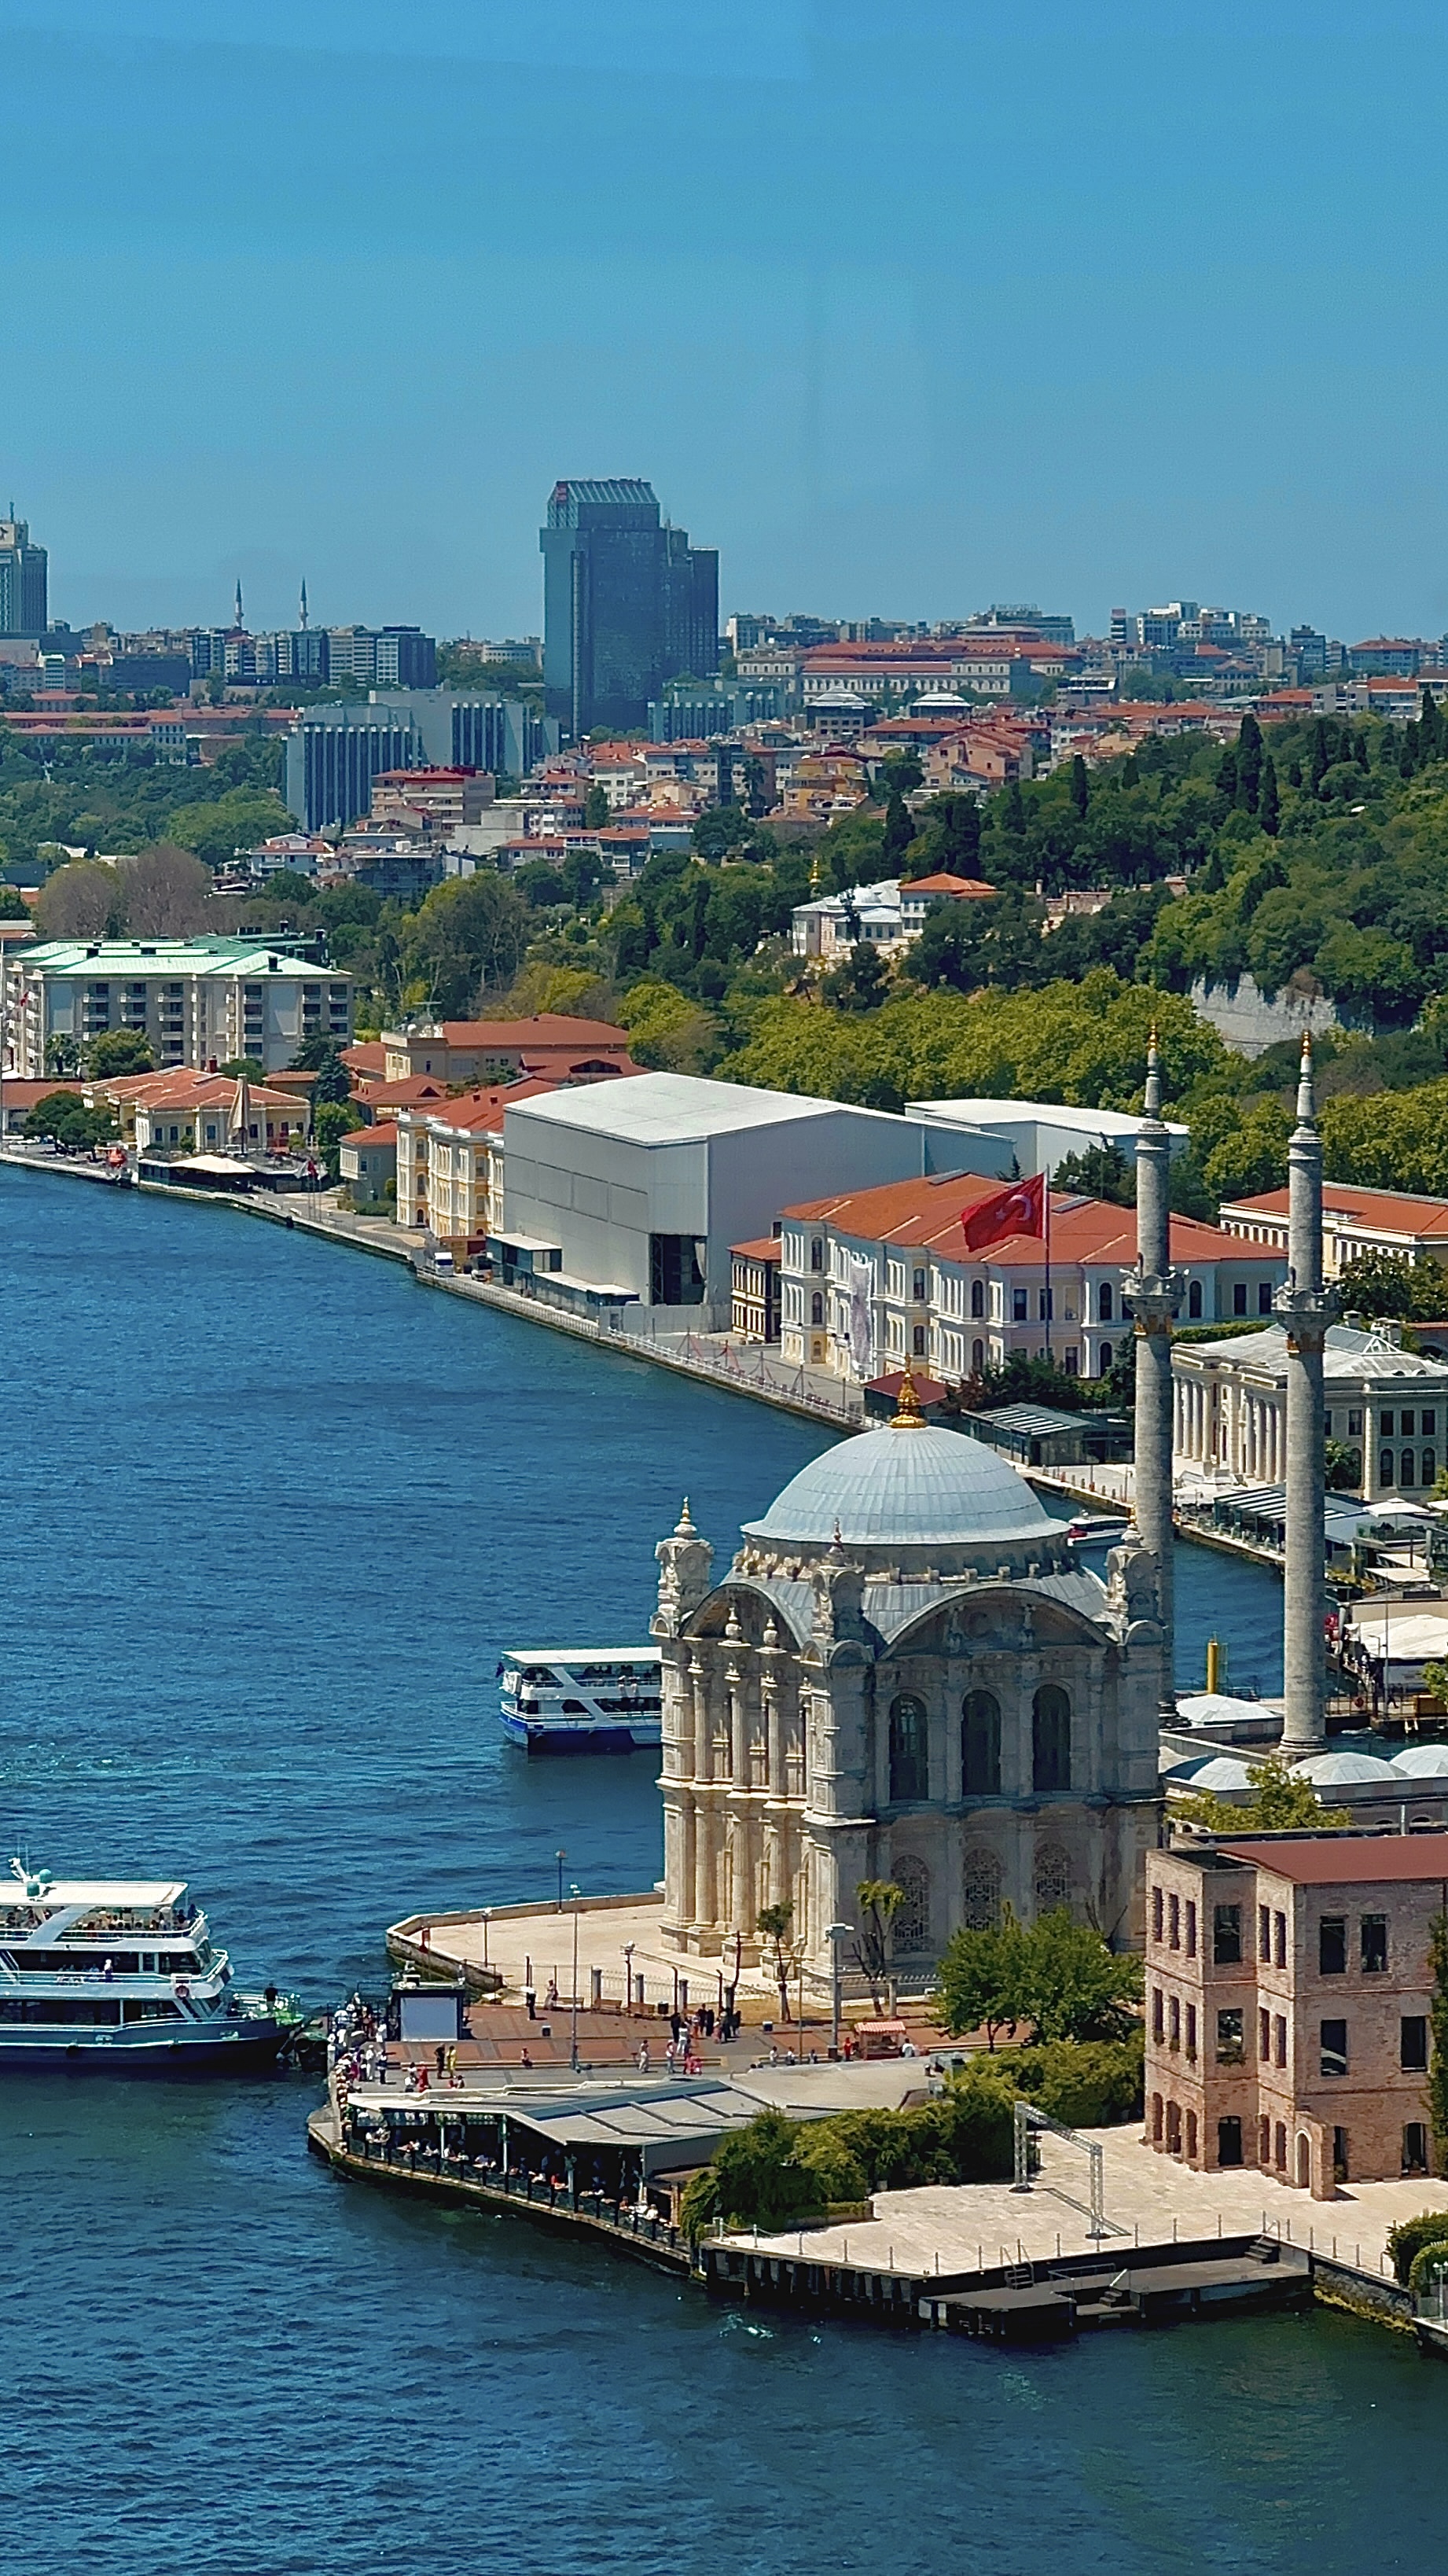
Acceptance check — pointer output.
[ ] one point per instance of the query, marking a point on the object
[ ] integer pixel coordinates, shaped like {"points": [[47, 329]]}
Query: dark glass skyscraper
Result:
{"points": [[22, 581], [628, 603]]}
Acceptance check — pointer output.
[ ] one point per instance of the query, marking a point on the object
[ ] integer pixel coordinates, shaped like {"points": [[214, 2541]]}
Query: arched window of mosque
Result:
{"points": [[980, 1745], [817, 1308], [1051, 1739], [1103, 1302], [977, 1297], [1194, 1300], [1053, 1877], [977, 1355], [909, 1748], [912, 1919], [1105, 1357], [981, 1890]]}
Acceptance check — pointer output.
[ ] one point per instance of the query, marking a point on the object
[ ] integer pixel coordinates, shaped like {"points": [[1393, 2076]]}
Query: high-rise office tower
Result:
{"points": [[627, 604], [23, 609]]}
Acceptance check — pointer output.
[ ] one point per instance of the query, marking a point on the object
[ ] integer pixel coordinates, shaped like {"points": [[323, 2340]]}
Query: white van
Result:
{"points": [[444, 1263]]}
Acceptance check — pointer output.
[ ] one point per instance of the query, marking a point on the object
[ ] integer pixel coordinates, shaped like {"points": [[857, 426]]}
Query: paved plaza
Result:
{"points": [[1149, 2200]]}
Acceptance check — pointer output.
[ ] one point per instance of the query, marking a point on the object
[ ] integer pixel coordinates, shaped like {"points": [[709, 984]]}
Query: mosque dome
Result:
{"points": [[906, 1485], [1422, 1762], [1344, 1770], [1224, 1771]]}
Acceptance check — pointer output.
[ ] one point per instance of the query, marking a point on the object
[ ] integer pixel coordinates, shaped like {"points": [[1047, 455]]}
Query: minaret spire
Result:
{"points": [[1305, 1309], [1154, 1292], [240, 620]]}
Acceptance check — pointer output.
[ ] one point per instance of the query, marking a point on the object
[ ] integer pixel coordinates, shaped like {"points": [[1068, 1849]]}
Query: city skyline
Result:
{"points": [[763, 262]]}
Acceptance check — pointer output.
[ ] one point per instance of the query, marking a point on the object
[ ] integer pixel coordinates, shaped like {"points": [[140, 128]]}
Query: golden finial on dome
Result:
{"points": [[909, 1416]]}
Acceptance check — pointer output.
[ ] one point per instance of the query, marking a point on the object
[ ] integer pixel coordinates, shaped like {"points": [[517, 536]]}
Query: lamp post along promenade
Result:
{"points": [[1155, 1293], [1305, 1308]]}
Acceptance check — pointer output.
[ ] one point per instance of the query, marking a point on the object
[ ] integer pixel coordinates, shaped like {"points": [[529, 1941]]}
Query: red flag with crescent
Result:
{"points": [[1019, 1210]]}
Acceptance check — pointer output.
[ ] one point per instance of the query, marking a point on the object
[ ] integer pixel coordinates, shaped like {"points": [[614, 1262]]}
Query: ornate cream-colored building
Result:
{"points": [[905, 1675]]}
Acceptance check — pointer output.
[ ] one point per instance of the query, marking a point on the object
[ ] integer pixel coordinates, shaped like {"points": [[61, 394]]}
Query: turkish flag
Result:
{"points": [[1019, 1210]]}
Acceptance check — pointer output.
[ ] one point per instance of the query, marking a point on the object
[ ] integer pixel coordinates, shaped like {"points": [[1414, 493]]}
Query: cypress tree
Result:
{"points": [[1430, 728], [1249, 763], [1269, 811], [1408, 756], [1360, 747], [1322, 751], [898, 834], [1227, 776], [1080, 784], [1014, 813], [1294, 773]]}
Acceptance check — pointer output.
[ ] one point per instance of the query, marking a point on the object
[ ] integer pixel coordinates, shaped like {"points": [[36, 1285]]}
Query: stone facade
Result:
{"points": [[893, 1681], [1288, 1992]]}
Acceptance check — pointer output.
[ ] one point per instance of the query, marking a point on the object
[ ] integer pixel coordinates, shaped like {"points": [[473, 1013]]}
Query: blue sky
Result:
{"points": [[905, 306]]}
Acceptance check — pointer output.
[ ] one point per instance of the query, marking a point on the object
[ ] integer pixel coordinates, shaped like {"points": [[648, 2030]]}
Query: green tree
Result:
{"points": [[1072, 1985], [774, 1922], [1280, 1803], [243, 1068], [898, 834], [596, 809], [467, 939], [13, 906], [860, 982], [1080, 785], [718, 830], [62, 1056], [119, 1051], [980, 1980], [880, 1901], [333, 1121], [1388, 1283], [1099, 1172], [73, 1128], [1269, 803]]}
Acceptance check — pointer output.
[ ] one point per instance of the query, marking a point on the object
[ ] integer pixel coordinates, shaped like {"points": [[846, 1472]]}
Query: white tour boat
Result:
{"points": [[121, 1972], [593, 1699]]}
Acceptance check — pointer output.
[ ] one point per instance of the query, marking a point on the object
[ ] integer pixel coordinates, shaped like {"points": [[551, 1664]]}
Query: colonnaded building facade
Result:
{"points": [[905, 1676]]}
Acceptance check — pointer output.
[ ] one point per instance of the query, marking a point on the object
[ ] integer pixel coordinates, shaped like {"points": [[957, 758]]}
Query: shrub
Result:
{"points": [[1410, 2234], [1088, 2084], [1426, 2266]]}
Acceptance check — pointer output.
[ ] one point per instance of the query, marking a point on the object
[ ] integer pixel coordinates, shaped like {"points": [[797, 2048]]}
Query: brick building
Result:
{"points": [[1288, 1992]]}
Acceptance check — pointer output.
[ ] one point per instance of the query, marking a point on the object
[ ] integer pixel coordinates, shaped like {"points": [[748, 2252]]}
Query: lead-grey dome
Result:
{"points": [[908, 1485]]}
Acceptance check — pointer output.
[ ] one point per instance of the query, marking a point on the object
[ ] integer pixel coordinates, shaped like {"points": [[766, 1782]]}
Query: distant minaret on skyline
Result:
{"points": [[1154, 1291], [1305, 1308], [304, 605], [240, 620]]}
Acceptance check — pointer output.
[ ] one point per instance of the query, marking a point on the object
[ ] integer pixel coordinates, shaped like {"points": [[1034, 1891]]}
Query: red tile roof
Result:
{"points": [[385, 1134], [1396, 1211], [1337, 1860], [928, 1212], [765, 1247], [944, 883], [551, 1029]]}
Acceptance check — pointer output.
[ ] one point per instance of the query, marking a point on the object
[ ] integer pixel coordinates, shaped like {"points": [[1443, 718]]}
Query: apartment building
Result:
{"points": [[199, 1001], [877, 1277], [1289, 1989]]}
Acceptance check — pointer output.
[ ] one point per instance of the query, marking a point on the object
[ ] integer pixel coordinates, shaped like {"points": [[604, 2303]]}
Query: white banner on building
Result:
{"points": [[862, 1336]]}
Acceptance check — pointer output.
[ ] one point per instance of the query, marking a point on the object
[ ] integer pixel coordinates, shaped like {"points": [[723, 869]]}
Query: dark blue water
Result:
{"points": [[270, 1513]]}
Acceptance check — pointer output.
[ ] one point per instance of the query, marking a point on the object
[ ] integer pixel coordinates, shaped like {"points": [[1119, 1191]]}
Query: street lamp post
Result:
{"points": [[628, 1951], [835, 1933], [573, 2047], [487, 1919], [560, 1856]]}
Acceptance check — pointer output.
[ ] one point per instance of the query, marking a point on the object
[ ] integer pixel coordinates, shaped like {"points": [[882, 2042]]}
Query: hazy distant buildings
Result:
{"points": [[335, 752], [23, 605], [628, 604]]}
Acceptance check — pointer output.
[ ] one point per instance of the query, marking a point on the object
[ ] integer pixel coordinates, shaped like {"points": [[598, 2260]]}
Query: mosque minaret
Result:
{"points": [[1154, 1290], [1306, 1309]]}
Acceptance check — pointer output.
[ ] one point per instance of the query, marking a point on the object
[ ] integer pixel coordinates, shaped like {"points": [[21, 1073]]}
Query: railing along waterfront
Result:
{"points": [[640, 2229]]}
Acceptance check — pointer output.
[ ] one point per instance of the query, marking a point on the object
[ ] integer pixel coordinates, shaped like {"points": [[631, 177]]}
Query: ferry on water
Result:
{"points": [[121, 1973], [586, 1700]]}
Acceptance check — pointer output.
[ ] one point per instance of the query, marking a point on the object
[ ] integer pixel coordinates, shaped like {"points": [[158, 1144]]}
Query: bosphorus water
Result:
{"points": [[270, 1514]]}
